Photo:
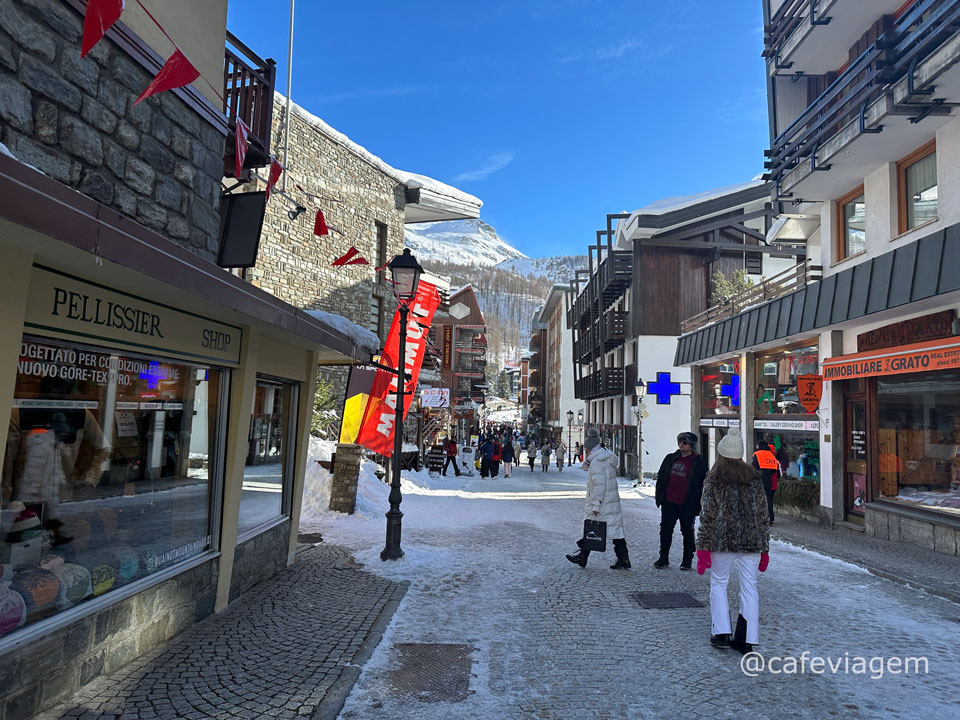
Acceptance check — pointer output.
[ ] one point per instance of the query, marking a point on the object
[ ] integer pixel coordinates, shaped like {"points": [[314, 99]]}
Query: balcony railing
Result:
{"points": [[615, 334], [894, 55], [603, 383], [616, 272], [785, 20], [248, 84], [780, 284]]}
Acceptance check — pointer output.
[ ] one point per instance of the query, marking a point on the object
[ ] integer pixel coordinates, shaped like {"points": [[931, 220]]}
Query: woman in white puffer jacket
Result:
{"points": [[603, 500]]}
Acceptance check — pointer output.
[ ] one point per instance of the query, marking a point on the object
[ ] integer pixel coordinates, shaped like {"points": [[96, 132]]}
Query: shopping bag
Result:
{"points": [[595, 535]]}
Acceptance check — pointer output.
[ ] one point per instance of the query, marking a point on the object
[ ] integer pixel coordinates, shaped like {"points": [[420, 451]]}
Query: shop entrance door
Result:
{"points": [[855, 490]]}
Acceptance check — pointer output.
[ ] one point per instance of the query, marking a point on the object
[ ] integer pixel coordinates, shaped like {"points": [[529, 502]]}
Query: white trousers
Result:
{"points": [[721, 565], [507, 469]]}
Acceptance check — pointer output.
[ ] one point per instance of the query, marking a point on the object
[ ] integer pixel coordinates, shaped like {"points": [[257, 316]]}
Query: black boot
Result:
{"points": [[623, 559], [579, 558], [739, 641]]}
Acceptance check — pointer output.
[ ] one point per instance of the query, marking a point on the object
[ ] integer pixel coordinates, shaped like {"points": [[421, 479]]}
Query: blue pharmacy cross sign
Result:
{"points": [[663, 388], [732, 391]]}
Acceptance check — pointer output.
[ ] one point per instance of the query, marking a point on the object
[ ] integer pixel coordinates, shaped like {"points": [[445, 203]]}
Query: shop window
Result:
{"points": [[851, 224], [918, 440], [107, 474], [268, 467], [797, 452], [917, 188], [720, 389], [777, 380]]}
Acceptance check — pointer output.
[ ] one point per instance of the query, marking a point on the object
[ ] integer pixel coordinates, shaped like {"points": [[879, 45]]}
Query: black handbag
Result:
{"points": [[595, 535]]}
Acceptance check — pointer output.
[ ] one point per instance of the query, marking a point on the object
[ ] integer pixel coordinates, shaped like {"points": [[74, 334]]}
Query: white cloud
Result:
{"points": [[496, 162]]}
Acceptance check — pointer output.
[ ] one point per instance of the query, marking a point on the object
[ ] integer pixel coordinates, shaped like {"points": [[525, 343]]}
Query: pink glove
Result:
{"points": [[703, 561], [764, 561]]}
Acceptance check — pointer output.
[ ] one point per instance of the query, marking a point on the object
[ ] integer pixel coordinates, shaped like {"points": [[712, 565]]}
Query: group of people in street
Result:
{"points": [[501, 445], [734, 501]]}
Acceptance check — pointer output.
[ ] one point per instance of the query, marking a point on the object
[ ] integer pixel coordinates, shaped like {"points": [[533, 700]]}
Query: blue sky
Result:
{"points": [[553, 112]]}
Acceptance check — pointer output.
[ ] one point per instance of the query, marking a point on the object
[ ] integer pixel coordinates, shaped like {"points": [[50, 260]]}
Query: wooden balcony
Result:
{"points": [[615, 329], [248, 85], [604, 383], [615, 275], [786, 282]]}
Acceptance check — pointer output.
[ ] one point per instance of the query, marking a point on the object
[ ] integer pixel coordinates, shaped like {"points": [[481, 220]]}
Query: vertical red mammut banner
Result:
{"points": [[377, 430]]}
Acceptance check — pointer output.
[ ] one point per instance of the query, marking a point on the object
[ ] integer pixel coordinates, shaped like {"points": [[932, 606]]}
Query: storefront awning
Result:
{"points": [[943, 354]]}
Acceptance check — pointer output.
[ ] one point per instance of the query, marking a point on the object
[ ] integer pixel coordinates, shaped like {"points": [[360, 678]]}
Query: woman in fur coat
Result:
{"points": [[603, 500], [734, 532]]}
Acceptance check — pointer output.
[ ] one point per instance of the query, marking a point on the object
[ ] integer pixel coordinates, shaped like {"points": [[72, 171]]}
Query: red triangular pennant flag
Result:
{"points": [[346, 257], [275, 169], [176, 72], [241, 133], [359, 261], [320, 225], [100, 16]]}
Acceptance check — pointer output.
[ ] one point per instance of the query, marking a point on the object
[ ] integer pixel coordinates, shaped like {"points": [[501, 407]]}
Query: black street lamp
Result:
{"points": [[640, 390], [569, 437], [405, 272]]}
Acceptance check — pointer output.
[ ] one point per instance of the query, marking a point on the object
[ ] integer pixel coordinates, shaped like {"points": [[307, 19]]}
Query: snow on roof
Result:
{"points": [[361, 337], [5, 151], [411, 180], [661, 207]]}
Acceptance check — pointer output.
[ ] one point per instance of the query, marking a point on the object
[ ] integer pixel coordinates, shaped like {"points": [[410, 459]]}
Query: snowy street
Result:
{"points": [[547, 639]]}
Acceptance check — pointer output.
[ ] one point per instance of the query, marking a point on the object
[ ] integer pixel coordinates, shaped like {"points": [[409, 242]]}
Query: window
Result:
{"points": [[851, 224], [107, 474], [777, 380], [381, 246], [917, 188], [268, 464], [721, 389], [918, 440]]}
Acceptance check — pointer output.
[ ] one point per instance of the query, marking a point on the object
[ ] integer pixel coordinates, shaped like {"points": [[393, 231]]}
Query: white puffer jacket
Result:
{"points": [[603, 496]]}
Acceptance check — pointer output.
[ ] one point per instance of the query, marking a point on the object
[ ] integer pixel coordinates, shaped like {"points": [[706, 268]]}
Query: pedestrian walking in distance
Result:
{"points": [[561, 452], [766, 463], [451, 447], [734, 532], [679, 484], [507, 453], [603, 500], [545, 456], [531, 455]]}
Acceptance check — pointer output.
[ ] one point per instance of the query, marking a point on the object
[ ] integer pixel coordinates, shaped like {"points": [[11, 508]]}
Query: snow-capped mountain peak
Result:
{"points": [[464, 242]]}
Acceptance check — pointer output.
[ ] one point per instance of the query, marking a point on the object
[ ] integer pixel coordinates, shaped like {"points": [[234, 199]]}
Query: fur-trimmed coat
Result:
{"points": [[735, 516]]}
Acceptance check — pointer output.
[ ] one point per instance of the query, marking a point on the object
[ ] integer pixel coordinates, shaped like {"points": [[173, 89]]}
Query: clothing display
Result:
{"points": [[75, 584], [13, 610]]}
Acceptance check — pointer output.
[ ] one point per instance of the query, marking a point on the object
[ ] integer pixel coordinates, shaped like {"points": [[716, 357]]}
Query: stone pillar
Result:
{"points": [[346, 471], [748, 401]]}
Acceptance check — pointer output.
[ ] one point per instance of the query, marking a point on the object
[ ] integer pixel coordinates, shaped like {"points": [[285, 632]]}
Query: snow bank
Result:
{"points": [[361, 337]]}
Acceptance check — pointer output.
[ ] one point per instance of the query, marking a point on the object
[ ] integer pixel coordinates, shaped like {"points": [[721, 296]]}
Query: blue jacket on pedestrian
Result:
{"points": [[508, 452], [486, 450]]}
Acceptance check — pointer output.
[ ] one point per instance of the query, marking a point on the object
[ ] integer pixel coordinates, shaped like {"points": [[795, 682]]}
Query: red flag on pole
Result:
{"points": [[275, 169], [241, 133], [176, 72], [349, 258], [100, 16], [320, 225], [376, 432]]}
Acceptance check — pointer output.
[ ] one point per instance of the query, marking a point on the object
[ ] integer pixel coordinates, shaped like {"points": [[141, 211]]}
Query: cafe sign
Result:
{"points": [[70, 308]]}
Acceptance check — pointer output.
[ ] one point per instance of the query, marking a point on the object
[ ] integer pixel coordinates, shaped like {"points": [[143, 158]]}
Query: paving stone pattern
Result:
{"points": [[275, 653], [554, 641]]}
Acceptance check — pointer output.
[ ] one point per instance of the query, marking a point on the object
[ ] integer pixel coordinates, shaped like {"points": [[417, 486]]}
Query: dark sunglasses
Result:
{"points": [[683, 442]]}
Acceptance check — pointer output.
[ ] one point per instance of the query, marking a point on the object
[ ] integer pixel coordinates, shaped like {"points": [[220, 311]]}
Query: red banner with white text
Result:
{"points": [[377, 430]]}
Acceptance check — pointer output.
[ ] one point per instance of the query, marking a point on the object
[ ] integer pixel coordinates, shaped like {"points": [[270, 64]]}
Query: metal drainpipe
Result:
{"points": [[286, 124]]}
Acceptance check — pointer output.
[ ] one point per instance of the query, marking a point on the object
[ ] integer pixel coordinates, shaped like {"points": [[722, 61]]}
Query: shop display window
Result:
{"points": [[106, 477], [777, 380], [918, 440], [268, 465], [797, 452], [720, 392]]}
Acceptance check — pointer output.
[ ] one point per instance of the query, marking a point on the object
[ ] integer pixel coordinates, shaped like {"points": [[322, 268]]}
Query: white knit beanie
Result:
{"points": [[731, 445]]}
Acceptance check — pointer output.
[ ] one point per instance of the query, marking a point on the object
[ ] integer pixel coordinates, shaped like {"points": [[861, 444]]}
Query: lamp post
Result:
{"points": [[640, 390], [569, 437], [580, 427], [405, 272]]}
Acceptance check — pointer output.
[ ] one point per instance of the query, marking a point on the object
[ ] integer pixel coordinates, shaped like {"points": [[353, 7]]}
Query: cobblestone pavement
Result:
{"points": [[906, 563], [551, 640], [279, 651]]}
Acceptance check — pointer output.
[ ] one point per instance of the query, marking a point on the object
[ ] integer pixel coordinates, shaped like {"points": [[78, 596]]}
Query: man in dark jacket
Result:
{"points": [[486, 457], [679, 484]]}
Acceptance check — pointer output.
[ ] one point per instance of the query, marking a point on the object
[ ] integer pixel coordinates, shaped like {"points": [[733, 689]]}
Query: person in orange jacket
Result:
{"points": [[766, 462]]}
